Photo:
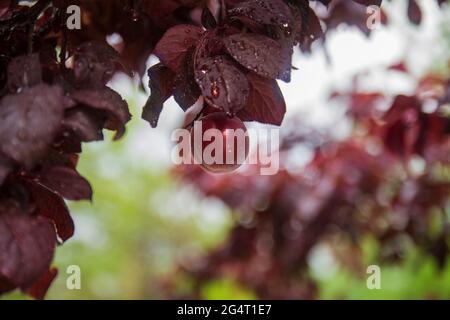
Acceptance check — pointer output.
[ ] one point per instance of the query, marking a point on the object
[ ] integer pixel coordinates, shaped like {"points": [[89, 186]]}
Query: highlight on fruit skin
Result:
{"points": [[219, 142]]}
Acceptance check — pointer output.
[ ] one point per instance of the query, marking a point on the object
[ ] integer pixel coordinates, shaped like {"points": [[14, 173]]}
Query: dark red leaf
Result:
{"points": [[433, 133], [24, 71], [265, 12], [55, 158], [400, 67], [266, 102], [414, 12], [310, 29], [403, 126], [108, 101], [29, 121], [210, 45], [401, 105], [222, 84], [94, 64], [52, 206], [39, 288], [84, 123], [208, 20], [186, 91], [172, 48], [67, 182], [369, 2], [347, 12], [260, 54], [26, 246], [161, 84], [362, 105]]}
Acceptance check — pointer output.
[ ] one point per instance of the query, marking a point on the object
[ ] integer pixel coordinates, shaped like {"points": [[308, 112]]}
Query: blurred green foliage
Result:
{"points": [[415, 276]]}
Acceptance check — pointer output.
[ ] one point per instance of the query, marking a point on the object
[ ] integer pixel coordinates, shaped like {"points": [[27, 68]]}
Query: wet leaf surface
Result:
{"points": [[222, 84]]}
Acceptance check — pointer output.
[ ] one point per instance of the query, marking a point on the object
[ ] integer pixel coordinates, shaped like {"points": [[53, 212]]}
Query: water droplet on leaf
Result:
{"points": [[215, 91]]}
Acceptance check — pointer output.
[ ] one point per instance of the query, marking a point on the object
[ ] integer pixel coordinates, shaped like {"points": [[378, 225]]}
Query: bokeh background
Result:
{"points": [[144, 223]]}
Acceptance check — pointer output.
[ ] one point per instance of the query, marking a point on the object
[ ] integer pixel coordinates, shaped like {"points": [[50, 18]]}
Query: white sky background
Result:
{"points": [[350, 52]]}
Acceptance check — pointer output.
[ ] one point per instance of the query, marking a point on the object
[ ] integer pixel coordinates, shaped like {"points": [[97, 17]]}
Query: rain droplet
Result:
{"points": [[135, 15], [204, 69], [287, 30], [215, 91]]}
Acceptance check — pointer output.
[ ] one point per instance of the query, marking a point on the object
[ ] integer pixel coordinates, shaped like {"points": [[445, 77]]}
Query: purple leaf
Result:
{"points": [[84, 123], [350, 13], [24, 71], [67, 182], [266, 102], [26, 246], [52, 206], [208, 19], [222, 84], [175, 43], [39, 288], [310, 29], [260, 54], [369, 2], [94, 64], [210, 45], [186, 91], [29, 121], [161, 85], [265, 12], [414, 12], [108, 101]]}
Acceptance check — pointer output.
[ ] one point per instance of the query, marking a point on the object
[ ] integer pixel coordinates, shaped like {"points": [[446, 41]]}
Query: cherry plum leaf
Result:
{"points": [[186, 91], [222, 84], [84, 123], [260, 54], [414, 12], [369, 2], [266, 102], [264, 12], [27, 245], [161, 84], [208, 19], [24, 71], [95, 64], [38, 289], [110, 103], [29, 121], [51, 206], [67, 182], [174, 45], [310, 29]]}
